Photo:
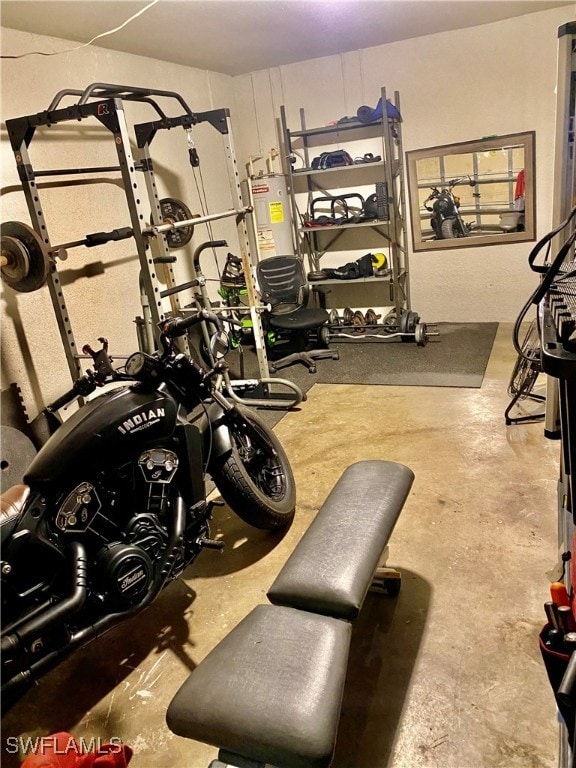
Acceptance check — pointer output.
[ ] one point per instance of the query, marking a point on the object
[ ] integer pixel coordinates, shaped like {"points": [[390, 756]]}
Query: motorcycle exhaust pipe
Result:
{"points": [[57, 613]]}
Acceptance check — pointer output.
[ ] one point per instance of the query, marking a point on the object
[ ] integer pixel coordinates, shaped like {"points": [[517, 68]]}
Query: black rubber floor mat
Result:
{"points": [[456, 358]]}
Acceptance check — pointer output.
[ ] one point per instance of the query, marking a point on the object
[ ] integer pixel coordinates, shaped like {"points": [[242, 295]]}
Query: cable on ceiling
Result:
{"points": [[84, 45]]}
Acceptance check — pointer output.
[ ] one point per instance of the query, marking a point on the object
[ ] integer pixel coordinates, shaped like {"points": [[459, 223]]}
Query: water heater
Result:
{"points": [[272, 215]]}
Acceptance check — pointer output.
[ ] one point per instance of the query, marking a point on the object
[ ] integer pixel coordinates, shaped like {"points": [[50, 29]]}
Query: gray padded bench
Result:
{"points": [[331, 569], [270, 693]]}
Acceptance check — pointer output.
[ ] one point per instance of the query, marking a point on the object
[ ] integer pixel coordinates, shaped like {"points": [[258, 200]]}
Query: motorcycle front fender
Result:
{"points": [[221, 440], [215, 430]]}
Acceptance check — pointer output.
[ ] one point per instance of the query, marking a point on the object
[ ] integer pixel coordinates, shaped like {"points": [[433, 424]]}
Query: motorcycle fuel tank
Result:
{"points": [[114, 424]]}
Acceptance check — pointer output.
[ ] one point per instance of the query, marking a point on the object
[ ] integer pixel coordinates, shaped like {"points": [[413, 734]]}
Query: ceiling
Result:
{"points": [[238, 36]]}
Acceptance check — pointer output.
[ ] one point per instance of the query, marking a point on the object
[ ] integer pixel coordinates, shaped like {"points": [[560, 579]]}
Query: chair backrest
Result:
{"points": [[282, 282]]}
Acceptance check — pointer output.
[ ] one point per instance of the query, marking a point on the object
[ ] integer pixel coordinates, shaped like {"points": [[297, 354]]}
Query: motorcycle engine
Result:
{"points": [[125, 548], [124, 573]]}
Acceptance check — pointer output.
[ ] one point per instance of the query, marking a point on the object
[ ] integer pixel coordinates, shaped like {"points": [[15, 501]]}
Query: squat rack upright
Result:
{"points": [[105, 103]]}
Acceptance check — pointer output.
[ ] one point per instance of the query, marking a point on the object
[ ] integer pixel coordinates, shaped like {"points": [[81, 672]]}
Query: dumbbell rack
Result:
{"points": [[355, 326], [104, 102]]}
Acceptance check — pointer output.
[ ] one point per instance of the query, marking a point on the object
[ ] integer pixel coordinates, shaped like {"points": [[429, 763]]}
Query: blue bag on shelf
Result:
{"points": [[368, 115]]}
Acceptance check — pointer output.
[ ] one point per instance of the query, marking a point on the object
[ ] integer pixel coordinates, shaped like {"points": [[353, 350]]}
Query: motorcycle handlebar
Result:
{"points": [[461, 180], [179, 325], [83, 386]]}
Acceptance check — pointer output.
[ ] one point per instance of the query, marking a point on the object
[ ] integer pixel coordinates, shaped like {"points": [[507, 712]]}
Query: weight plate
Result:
{"points": [[348, 316], [420, 335], [413, 321], [17, 452], [371, 317], [324, 335], [16, 254], [359, 321], [28, 260], [408, 322], [172, 211], [334, 317]]}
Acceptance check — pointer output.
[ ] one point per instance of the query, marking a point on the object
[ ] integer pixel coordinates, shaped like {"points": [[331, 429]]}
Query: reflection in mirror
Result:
{"points": [[472, 193]]}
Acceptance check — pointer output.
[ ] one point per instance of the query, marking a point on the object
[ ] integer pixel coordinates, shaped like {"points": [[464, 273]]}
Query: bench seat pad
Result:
{"points": [[271, 690], [331, 568]]}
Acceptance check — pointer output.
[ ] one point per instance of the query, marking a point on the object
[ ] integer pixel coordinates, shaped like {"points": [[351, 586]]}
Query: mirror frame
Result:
{"points": [[527, 139]]}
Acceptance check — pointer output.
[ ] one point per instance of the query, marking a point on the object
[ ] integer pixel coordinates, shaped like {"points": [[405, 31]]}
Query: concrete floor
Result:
{"points": [[448, 675]]}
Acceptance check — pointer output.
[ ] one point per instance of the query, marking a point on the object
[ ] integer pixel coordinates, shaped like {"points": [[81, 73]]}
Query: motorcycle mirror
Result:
{"points": [[219, 345]]}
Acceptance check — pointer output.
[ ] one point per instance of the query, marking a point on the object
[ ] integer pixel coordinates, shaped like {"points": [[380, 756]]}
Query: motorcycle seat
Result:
{"points": [[12, 504]]}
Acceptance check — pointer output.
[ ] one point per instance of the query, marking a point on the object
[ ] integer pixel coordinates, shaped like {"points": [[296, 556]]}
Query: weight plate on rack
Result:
{"points": [[408, 321], [334, 317], [420, 335], [27, 260], [390, 319], [371, 317], [173, 211], [359, 321], [15, 261], [348, 316]]}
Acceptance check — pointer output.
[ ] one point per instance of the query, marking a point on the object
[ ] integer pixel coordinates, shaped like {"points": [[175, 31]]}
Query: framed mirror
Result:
{"points": [[473, 193]]}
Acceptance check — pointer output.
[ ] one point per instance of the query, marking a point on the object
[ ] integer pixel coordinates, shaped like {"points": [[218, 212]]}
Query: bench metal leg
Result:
{"points": [[386, 580]]}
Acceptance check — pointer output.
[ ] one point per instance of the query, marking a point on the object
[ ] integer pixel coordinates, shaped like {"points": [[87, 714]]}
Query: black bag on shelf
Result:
{"points": [[362, 267], [331, 160]]}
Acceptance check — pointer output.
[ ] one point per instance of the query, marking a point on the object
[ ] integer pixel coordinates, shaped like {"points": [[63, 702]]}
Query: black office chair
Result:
{"points": [[283, 285]]}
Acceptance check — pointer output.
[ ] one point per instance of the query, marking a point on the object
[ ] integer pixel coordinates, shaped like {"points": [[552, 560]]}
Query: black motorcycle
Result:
{"points": [[113, 506], [446, 220]]}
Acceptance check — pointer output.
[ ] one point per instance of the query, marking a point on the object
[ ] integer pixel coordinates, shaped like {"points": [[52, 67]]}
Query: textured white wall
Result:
{"points": [[106, 303], [455, 86]]}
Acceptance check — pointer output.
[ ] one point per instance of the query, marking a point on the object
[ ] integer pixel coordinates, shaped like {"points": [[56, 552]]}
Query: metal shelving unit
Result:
{"points": [[314, 242]]}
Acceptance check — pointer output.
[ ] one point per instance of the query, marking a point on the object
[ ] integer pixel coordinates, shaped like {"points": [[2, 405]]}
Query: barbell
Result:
{"points": [[26, 261]]}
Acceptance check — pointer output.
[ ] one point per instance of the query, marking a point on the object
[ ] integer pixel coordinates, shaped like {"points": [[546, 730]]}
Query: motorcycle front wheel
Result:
{"points": [[452, 228], [255, 478]]}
